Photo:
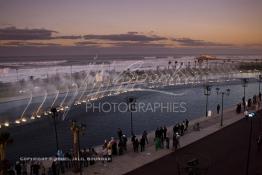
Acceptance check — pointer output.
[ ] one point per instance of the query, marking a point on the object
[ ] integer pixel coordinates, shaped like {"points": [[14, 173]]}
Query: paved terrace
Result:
{"points": [[224, 152], [130, 161]]}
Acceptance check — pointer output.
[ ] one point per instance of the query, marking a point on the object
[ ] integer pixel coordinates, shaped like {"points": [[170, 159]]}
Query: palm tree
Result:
{"points": [[5, 139]]}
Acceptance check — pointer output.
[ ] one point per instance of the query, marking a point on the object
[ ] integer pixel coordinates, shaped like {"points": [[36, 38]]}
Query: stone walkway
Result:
{"points": [[130, 160]]}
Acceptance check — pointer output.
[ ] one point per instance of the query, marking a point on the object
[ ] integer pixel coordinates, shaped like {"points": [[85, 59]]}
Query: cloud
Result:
{"points": [[68, 37], [258, 45], [120, 44], [199, 43], [87, 43], [13, 33], [139, 44], [130, 36], [23, 43]]}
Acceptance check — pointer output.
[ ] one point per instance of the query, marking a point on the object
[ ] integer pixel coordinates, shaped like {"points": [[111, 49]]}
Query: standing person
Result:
{"points": [[133, 139], [18, 168], [105, 143], [157, 132], [104, 152], [182, 129], [187, 123], [124, 139], [165, 131], [136, 145], [249, 102], [161, 134], [85, 156], [244, 102], [175, 129], [35, 168], [24, 171], [238, 110], [114, 146], [145, 136], [254, 99], [119, 133], [120, 147], [167, 142], [54, 168], [157, 143], [218, 109], [42, 169], [175, 142], [93, 155], [109, 152], [142, 144]]}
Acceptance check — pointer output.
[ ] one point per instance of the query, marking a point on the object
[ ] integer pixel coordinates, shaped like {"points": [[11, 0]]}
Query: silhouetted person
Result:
{"points": [[142, 144], [120, 147], [119, 133], [175, 129], [124, 139], [238, 110], [145, 136], [249, 102], [133, 139], [218, 109], [54, 168], [244, 101], [35, 169], [136, 145], [164, 131], [182, 129], [167, 142], [187, 123], [175, 142], [18, 168]]}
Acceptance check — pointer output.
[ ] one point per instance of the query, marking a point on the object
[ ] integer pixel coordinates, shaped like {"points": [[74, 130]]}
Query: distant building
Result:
{"points": [[205, 58]]}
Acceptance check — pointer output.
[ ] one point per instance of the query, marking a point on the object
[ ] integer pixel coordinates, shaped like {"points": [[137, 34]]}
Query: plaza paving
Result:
{"points": [[131, 161]]}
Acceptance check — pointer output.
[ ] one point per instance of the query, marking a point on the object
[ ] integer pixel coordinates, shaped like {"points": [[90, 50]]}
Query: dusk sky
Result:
{"points": [[118, 26]]}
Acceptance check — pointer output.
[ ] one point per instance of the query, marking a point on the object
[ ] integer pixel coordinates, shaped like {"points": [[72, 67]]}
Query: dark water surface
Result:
{"points": [[37, 138]]}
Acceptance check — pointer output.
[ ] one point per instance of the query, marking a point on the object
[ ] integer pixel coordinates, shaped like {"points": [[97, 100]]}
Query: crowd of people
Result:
{"points": [[247, 104], [110, 148]]}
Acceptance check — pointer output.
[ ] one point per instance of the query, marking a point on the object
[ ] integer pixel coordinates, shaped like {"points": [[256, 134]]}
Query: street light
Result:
{"points": [[54, 112], [207, 92], [259, 81], [77, 129], [131, 107], [244, 84], [222, 93], [249, 141]]}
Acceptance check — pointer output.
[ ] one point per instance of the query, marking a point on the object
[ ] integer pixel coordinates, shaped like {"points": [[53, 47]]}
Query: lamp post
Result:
{"points": [[207, 92], [77, 129], [259, 81], [222, 93], [249, 143], [244, 84], [131, 107], [54, 112]]}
